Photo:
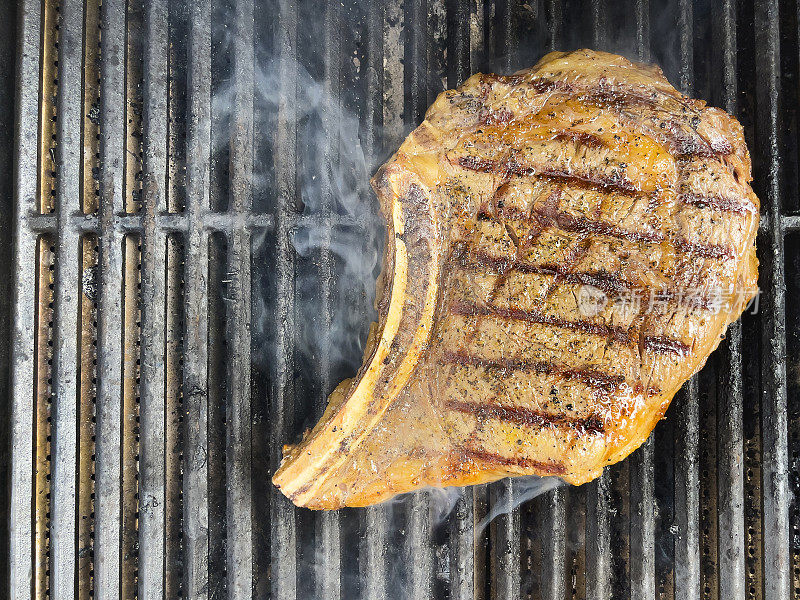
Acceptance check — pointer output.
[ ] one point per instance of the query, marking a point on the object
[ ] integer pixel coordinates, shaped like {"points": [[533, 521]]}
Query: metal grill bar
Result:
{"points": [[63, 555], [730, 403], [791, 223], [642, 17], [47, 106], [554, 552], [598, 549], [642, 570], [388, 102], [238, 435], [417, 552], [598, 540], [175, 197], [21, 525], [283, 530], [687, 493], [394, 74], [504, 532], [466, 544], [642, 501], [218, 365], [87, 347], [152, 390], [195, 370], [108, 534], [164, 222], [505, 542], [774, 425]]}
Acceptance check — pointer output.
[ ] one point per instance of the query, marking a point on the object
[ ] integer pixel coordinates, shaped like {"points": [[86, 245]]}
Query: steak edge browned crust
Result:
{"points": [[526, 215]]}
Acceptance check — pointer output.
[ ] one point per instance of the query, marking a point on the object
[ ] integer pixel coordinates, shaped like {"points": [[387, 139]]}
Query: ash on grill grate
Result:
{"points": [[193, 256]]}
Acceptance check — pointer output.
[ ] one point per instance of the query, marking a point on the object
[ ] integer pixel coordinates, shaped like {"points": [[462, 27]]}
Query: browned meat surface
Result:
{"points": [[562, 247]]}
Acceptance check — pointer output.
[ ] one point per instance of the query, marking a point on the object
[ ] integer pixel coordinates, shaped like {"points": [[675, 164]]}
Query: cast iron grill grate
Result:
{"points": [[156, 337]]}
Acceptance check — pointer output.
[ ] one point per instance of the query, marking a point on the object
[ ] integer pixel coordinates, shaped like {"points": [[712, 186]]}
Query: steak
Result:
{"points": [[566, 246]]}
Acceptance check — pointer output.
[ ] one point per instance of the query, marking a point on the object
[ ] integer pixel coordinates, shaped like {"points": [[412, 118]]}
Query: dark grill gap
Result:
{"points": [[148, 410]]}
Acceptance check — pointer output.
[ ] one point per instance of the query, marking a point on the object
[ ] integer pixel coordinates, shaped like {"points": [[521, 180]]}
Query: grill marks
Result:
{"points": [[487, 116], [546, 216], [683, 145], [634, 105], [601, 93], [528, 417], [585, 226], [625, 336], [670, 119], [581, 137], [712, 251], [612, 332], [550, 207], [596, 182], [663, 344], [549, 214], [612, 181], [597, 380], [610, 284], [719, 203], [548, 468]]}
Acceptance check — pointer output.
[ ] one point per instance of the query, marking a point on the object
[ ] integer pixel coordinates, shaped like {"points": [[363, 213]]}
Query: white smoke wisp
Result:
{"points": [[339, 219], [520, 491], [443, 500]]}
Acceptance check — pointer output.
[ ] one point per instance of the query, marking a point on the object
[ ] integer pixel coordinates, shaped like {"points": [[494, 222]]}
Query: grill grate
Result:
{"points": [[157, 362]]}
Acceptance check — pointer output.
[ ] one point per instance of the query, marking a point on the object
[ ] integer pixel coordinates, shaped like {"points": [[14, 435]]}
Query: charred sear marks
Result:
{"points": [[621, 335], [711, 251], [592, 378], [489, 117], [545, 216], [618, 334], [605, 95], [485, 165], [528, 417], [494, 459], [610, 284], [636, 104], [685, 144], [662, 344], [719, 203], [583, 138], [612, 180], [585, 226], [601, 93]]}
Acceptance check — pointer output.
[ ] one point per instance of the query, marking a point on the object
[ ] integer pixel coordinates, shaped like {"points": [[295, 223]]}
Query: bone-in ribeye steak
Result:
{"points": [[566, 246]]}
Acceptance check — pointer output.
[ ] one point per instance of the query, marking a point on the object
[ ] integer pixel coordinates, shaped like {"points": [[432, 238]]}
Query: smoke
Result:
{"points": [[519, 491], [337, 237], [516, 492]]}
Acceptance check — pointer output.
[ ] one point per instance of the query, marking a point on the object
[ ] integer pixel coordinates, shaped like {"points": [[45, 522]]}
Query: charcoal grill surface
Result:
{"points": [[157, 318]]}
